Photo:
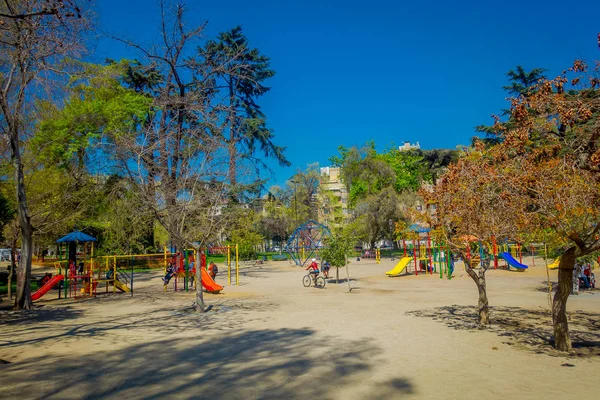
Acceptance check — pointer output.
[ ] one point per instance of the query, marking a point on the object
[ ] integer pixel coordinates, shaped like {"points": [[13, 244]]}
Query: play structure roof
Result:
{"points": [[76, 236], [418, 228]]}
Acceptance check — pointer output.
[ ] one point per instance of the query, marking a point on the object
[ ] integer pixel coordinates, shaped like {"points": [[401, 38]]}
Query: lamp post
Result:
{"points": [[391, 224], [295, 202]]}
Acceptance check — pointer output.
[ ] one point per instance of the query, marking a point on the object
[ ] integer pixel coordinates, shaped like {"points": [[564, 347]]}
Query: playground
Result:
{"points": [[270, 337]]}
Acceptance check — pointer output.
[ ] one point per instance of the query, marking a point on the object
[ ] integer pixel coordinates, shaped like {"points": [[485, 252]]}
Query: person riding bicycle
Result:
{"points": [[313, 269]]}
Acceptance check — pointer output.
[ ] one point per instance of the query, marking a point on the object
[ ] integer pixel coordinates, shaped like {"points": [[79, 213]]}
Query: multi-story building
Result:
{"points": [[408, 146], [336, 211]]}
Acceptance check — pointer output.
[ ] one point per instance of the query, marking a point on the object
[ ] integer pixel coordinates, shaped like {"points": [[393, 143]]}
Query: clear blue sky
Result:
{"points": [[351, 71]]}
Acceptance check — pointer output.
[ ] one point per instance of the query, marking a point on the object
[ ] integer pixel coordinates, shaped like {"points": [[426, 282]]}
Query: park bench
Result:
{"points": [[279, 257]]}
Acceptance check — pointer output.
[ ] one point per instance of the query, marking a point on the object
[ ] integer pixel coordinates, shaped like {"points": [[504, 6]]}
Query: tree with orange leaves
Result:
{"points": [[553, 152], [543, 175], [473, 202]]}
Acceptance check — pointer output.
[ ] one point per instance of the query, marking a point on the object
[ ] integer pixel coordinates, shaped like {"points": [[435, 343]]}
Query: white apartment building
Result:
{"points": [[409, 146], [331, 181]]}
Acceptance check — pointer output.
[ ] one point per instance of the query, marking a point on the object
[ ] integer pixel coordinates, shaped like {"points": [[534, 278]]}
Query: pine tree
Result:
{"points": [[242, 82]]}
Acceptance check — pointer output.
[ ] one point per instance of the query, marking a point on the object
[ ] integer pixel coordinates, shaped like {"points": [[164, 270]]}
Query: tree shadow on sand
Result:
{"points": [[38, 315], [544, 288], [344, 280], [266, 364], [527, 329], [165, 321]]}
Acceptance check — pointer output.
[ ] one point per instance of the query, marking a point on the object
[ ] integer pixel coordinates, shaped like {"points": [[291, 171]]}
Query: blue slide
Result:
{"points": [[512, 262]]}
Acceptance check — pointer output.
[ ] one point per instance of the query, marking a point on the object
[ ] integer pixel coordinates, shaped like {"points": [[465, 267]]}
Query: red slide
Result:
{"points": [[49, 285], [209, 284]]}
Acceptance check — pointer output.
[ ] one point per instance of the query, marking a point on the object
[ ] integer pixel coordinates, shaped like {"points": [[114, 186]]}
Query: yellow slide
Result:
{"points": [[121, 286], [554, 265], [399, 267]]}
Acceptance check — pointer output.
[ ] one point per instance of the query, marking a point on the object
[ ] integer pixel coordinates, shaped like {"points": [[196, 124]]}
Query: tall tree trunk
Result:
{"points": [[562, 340], [337, 275], [10, 275], [23, 299], [348, 277], [482, 302], [148, 235], [232, 161], [200, 305], [13, 265], [232, 136]]}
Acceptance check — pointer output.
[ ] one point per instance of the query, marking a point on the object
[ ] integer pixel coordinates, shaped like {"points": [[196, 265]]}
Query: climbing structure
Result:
{"points": [[306, 241]]}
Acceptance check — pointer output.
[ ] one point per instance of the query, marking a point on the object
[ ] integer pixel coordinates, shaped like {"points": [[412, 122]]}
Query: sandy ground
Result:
{"points": [[269, 337]]}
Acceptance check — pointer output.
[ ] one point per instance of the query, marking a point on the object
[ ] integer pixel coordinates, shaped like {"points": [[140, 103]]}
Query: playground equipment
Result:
{"points": [[402, 264], [423, 256], [512, 262], [46, 287], [73, 273], [115, 273], [231, 258], [554, 264], [185, 269], [306, 241]]}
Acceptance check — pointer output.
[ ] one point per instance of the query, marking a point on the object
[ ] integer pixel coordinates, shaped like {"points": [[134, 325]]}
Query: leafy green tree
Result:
{"points": [[72, 146], [7, 213], [123, 223], [437, 161], [34, 37], [374, 182], [336, 251], [242, 82], [304, 186], [277, 220], [363, 172], [330, 208], [521, 84], [377, 215], [241, 231], [182, 157], [409, 166]]}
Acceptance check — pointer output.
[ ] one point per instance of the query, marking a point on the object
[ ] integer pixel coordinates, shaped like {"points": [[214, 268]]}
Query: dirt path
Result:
{"points": [[269, 337]]}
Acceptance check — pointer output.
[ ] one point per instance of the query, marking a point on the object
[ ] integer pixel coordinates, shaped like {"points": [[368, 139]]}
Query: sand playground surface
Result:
{"points": [[272, 338]]}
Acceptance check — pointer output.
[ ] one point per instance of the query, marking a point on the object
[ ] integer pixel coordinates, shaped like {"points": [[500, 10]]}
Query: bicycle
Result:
{"points": [[317, 280]]}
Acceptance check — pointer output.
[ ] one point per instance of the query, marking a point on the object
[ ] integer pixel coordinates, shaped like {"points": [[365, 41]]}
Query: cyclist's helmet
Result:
{"points": [[314, 259]]}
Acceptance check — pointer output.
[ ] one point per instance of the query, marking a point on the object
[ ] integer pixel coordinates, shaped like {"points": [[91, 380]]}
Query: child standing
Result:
{"points": [[213, 270], [326, 268]]}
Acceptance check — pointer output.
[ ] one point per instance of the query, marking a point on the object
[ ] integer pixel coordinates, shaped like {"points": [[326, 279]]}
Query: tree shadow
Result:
{"points": [[38, 315], [527, 329], [266, 364], [223, 317], [340, 281], [393, 388], [544, 288], [255, 271]]}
